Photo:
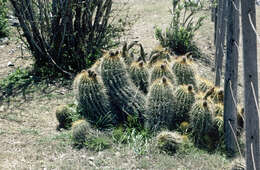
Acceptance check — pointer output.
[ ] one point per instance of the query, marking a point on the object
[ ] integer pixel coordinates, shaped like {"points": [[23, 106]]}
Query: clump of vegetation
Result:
{"points": [[4, 31], [168, 142], [180, 34], [16, 81]]}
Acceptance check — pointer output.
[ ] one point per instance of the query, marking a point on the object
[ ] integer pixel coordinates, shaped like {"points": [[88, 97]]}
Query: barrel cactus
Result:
{"points": [[125, 98], [140, 75], [168, 142], [183, 71], [204, 84], [161, 69], [64, 116], [93, 102], [80, 132], [160, 105], [201, 123], [185, 97]]}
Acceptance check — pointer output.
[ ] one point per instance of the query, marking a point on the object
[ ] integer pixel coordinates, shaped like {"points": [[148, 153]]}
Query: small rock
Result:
{"points": [[91, 158], [2, 109], [13, 21], [4, 40], [10, 64]]}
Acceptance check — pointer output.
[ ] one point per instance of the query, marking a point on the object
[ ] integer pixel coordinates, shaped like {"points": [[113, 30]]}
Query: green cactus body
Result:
{"points": [[184, 73], [126, 99], [93, 102], [201, 122], [80, 132], [185, 98], [160, 105], [64, 116], [161, 69], [204, 84], [140, 76]]}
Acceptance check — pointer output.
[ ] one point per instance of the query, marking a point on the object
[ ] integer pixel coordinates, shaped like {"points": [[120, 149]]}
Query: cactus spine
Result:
{"points": [[183, 72], [126, 99], [160, 105], [140, 76], [93, 102]]}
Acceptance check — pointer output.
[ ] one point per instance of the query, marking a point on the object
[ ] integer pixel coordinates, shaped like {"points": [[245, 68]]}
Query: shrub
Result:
{"points": [[179, 35], [67, 36], [3, 19]]}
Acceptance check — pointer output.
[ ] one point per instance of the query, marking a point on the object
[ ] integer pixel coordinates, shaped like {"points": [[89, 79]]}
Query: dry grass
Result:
{"points": [[29, 139]]}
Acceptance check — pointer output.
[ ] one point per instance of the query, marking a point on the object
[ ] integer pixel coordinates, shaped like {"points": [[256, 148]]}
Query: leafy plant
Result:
{"points": [[179, 35], [3, 19], [17, 80]]}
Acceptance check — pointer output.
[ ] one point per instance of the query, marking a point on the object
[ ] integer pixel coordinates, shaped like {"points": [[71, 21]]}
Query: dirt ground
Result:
{"points": [[28, 135]]}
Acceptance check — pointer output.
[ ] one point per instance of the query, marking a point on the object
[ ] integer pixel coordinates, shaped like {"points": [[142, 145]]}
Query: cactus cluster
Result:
{"points": [[157, 93]]}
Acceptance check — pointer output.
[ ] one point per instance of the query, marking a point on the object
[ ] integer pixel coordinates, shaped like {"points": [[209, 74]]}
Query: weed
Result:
{"points": [[29, 131], [179, 35], [20, 79], [98, 143]]}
